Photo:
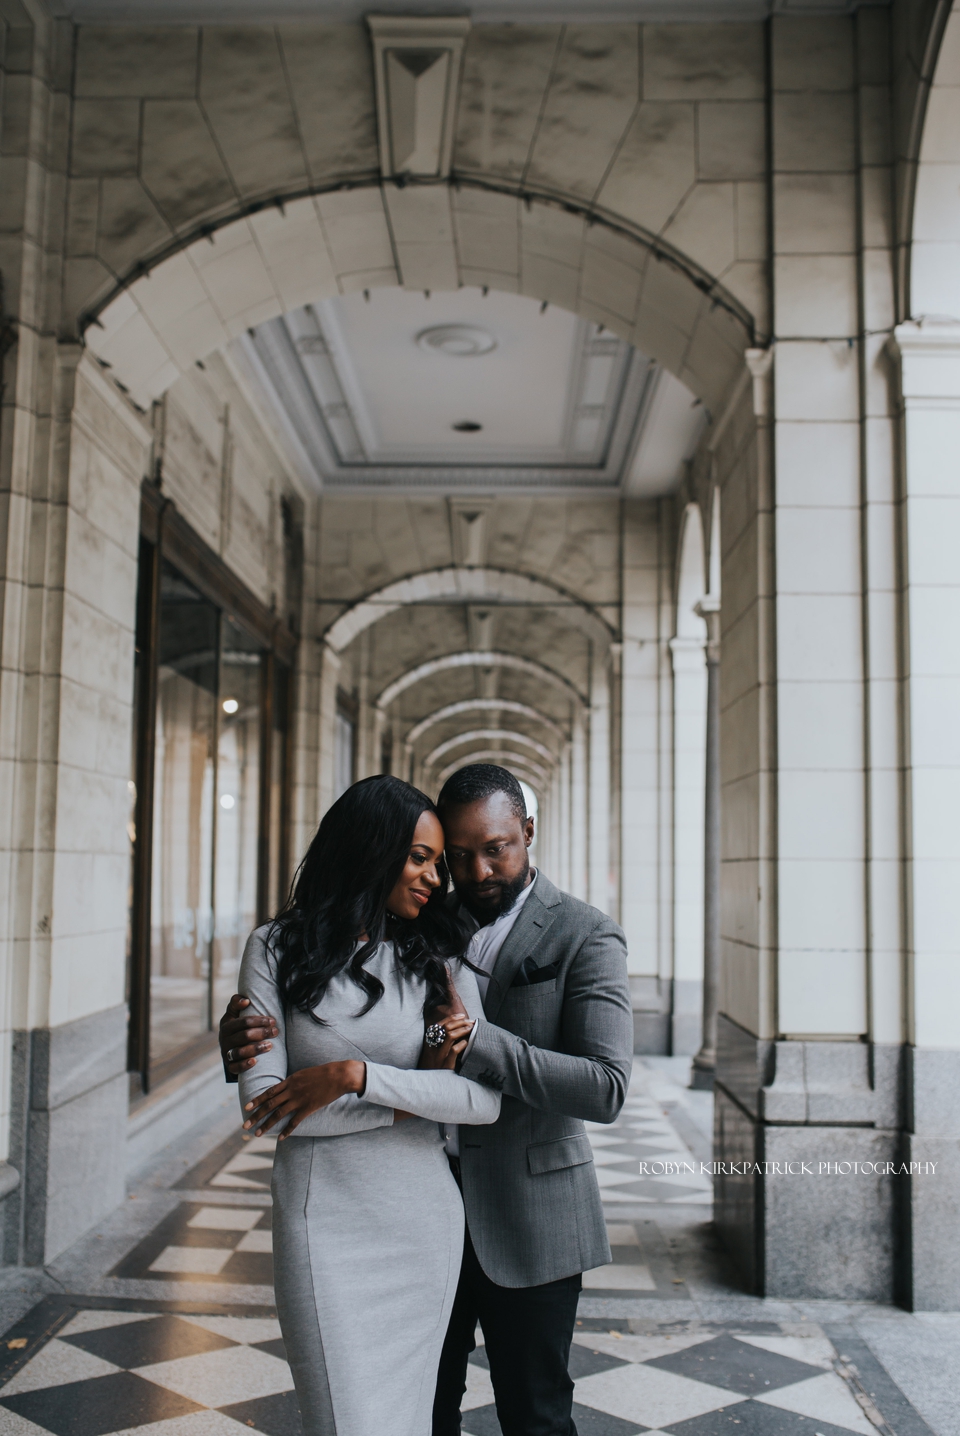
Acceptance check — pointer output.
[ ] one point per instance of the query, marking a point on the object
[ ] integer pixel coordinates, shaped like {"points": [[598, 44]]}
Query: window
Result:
{"points": [[210, 855]]}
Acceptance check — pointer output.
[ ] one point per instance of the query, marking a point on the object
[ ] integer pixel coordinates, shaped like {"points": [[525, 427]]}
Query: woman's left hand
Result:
{"points": [[458, 1026], [303, 1092]]}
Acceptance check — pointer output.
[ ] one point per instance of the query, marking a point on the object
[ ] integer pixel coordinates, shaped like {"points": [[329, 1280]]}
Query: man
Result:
{"points": [[557, 1040]]}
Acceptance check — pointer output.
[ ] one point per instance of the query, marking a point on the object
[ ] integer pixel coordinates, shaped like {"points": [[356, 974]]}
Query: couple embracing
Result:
{"points": [[431, 1059]]}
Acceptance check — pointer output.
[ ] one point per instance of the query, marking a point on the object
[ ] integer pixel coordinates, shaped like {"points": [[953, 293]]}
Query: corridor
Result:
{"points": [[571, 386], [162, 1319]]}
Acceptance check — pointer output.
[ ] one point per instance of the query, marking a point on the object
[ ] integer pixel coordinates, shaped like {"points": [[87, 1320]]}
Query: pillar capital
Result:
{"points": [[760, 364], [708, 609], [929, 352], [687, 654]]}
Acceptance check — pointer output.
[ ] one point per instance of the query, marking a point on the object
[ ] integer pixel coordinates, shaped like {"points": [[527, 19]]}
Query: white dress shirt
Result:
{"points": [[483, 951]]}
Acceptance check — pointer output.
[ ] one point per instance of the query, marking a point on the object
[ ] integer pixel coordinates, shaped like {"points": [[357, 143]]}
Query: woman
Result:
{"points": [[368, 1221]]}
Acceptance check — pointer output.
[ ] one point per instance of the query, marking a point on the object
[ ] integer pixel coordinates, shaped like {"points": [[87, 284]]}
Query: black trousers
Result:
{"points": [[527, 1332]]}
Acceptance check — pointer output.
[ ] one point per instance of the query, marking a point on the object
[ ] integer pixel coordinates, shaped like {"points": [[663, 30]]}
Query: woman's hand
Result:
{"points": [[303, 1092], [459, 1026]]}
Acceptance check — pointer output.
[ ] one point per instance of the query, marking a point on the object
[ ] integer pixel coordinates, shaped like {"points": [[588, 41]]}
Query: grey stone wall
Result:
{"points": [[68, 1129]]}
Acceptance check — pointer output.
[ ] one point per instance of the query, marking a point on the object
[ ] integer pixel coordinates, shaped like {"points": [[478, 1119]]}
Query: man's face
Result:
{"points": [[486, 850]]}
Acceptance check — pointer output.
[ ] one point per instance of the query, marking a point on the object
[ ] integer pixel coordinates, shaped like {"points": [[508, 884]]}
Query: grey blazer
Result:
{"points": [[557, 1041]]}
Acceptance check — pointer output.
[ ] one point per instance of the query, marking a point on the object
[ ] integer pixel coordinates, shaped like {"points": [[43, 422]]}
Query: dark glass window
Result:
{"points": [[210, 832]]}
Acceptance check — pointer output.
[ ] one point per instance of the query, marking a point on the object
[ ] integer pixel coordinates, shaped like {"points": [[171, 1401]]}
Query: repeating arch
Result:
{"points": [[178, 303], [488, 735], [483, 705], [524, 766], [477, 658], [457, 584]]}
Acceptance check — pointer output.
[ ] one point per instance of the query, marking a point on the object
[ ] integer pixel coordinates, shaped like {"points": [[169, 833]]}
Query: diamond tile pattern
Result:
{"points": [[157, 1368], [205, 1244], [642, 1135], [712, 1384], [176, 1372]]}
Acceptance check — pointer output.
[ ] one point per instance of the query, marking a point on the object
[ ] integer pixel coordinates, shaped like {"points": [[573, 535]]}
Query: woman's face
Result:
{"points": [[419, 877]]}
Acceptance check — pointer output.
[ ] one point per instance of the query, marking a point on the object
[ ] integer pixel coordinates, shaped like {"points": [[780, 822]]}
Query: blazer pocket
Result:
{"points": [[563, 1152], [538, 989], [529, 974]]}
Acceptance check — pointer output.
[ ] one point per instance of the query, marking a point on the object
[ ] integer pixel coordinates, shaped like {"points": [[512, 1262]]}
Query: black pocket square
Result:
{"points": [[528, 973]]}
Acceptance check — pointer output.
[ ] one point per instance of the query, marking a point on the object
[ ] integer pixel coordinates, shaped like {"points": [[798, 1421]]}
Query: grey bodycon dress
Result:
{"points": [[367, 1221]]}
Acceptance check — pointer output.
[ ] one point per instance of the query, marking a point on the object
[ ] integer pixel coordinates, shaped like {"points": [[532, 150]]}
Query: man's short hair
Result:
{"points": [[479, 781]]}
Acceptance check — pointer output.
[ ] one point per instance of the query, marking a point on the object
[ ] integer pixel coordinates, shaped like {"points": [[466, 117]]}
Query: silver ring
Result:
{"points": [[435, 1035], [232, 1055]]}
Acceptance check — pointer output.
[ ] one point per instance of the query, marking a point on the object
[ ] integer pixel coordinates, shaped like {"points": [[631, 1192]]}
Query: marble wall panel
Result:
{"points": [[655, 165], [181, 164], [815, 58], [708, 62], [106, 137], [704, 227], [593, 91], [244, 91], [139, 61], [731, 140], [130, 224], [505, 73], [331, 83]]}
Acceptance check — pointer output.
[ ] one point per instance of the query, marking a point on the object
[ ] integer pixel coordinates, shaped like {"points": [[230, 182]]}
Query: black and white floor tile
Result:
{"points": [[642, 1159], [132, 1365], [205, 1243], [156, 1372], [695, 1383]]}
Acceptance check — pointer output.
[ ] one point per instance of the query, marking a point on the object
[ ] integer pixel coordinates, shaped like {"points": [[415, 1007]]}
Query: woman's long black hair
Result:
{"points": [[341, 891]]}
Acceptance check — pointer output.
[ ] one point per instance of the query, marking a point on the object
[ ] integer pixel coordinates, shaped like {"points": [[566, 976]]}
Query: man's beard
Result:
{"points": [[509, 892]]}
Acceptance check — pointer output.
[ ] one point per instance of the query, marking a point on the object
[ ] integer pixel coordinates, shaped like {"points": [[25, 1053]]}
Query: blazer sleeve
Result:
{"points": [[347, 1114], [590, 1076], [439, 1096]]}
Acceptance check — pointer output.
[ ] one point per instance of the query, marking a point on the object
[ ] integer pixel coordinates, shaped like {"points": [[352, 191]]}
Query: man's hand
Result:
{"points": [[243, 1035], [304, 1092]]}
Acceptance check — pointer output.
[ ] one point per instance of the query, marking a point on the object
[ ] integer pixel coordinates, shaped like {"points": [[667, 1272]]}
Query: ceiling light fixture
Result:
{"points": [[457, 341]]}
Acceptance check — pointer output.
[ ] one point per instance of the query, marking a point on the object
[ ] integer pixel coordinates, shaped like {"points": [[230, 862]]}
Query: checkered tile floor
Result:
{"points": [[157, 1373], [641, 1158], [101, 1366], [695, 1383]]}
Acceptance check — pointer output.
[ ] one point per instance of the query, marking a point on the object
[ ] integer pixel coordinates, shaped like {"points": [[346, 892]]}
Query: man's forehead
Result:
{"points": [[493, 816]]}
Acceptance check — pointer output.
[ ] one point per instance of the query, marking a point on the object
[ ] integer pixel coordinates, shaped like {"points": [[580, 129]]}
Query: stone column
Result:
{"points": [[930, 361], [330, 663], [689, 713], [801, 1074], [598, 853], [579, 798], [705, 1062]]}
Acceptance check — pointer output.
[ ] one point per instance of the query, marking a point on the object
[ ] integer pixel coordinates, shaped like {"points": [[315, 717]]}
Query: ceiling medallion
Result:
{"points": [[458, 341]]}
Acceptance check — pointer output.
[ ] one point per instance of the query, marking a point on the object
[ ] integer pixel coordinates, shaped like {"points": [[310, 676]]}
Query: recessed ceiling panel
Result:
{"points": [[398, 387]]}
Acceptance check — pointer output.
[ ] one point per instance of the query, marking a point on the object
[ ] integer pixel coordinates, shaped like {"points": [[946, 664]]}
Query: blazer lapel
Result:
{"points": [[536, 916]]}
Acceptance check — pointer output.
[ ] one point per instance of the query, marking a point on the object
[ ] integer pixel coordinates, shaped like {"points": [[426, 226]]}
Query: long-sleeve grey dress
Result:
{"points": [[368, 1221]]}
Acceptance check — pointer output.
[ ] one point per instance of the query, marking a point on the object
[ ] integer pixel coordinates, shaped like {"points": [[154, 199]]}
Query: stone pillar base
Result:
{"points": [[795, 1122]]}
